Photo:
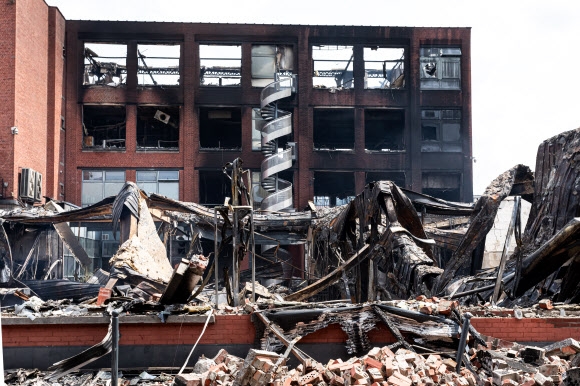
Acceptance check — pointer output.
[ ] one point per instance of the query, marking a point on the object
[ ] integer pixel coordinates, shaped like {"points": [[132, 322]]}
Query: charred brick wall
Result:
{"points": [[190, 96]]}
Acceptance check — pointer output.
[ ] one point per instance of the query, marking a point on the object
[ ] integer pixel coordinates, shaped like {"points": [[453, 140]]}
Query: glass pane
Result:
{"points": [[146, 176], [92, 193], [450, 68], [169, 189], [112, 188], [89, 175], [168, 175], [257, 122], [451, 132], [263, 67], [115, 176], [149, 187]]}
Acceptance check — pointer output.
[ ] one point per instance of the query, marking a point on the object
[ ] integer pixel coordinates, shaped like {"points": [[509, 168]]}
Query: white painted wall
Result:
{"points": [[496, 237]]}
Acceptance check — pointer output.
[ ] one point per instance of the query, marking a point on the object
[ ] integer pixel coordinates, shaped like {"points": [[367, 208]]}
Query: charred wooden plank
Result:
{"points": [[329, 279]]}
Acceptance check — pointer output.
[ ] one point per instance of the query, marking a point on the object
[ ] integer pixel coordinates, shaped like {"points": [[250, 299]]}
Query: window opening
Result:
{"points": [[220, 65], [268, 60], [158, 64], [163, 182], [441, 131], [333, 129], [333, 188], [105, 64], [440, 67], [214, 187], [397, 177], [98, 184], [220, 128], [333, 66], [104, 127], [158, 127], [384, 130], [445, 186], [384, 67]]}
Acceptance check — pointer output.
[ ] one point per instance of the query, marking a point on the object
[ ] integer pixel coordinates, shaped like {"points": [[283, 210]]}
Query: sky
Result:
{"points": [[525, 56]]}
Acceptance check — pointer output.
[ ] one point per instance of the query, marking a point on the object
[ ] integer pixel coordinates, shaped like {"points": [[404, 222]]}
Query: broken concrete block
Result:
{"points": [[500, 375], [566, 347], [532, 354], [203, 365], [512, 353]]}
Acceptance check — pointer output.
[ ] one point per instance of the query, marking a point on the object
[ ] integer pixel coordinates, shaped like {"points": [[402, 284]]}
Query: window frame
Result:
{"points": [[441, 59], [158, 181]]}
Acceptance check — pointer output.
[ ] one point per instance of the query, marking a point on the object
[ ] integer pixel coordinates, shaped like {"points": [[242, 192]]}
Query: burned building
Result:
{"points": [[167, 104]]}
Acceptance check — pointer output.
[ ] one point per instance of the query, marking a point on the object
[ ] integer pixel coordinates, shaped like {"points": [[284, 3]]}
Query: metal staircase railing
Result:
{"points": [[275, 124]]}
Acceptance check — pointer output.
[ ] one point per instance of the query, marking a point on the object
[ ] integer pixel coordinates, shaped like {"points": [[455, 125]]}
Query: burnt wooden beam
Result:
{"points": [[301, 356], [549, 257], [391, 326], [329, 279]]}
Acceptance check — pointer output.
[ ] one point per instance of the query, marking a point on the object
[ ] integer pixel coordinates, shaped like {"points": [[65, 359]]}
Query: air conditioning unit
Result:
{"points": [[38, 187], [161, 116], [27, 183]]}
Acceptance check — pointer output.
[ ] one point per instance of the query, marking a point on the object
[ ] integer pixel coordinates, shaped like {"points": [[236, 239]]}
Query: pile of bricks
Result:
{"points": [[518, 365]]}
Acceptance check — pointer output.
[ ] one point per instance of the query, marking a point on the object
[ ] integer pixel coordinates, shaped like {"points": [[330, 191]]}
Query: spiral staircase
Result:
{"points": [[275, 124]]}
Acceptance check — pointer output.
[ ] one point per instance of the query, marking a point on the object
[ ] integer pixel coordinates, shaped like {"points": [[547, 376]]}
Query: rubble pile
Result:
{"points": [[515, 365]]}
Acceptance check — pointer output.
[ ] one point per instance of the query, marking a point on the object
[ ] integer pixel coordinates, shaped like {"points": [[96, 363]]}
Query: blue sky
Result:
{"points": [[525, 56]]}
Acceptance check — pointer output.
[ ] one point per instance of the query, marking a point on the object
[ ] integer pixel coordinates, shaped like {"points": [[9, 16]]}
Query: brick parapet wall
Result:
{"points": [[239, 330]]}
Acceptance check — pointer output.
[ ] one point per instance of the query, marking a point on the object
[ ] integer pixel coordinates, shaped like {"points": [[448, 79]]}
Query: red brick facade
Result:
{"points": [[238, 329]]}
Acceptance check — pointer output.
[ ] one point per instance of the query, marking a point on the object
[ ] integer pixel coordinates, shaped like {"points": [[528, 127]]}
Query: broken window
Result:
{"points": [[397, 177], [441, 131], [220, 65], [158, 127], [98, 184], [333, 129], [445, 186], [214, 187], [163, 182], [103, 127], [440, 67], [158, 64], [269, 61], [220, 128], [333, 66], [384, 67], [384, 130], [105, 64], [333, 188]]}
